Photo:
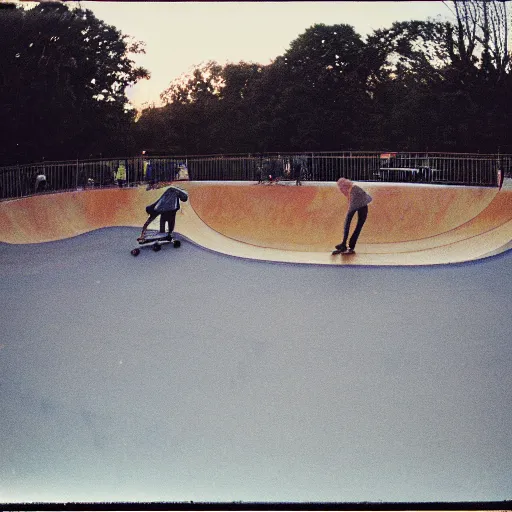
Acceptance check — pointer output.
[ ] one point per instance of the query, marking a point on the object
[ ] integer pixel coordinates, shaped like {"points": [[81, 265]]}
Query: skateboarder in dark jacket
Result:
{"points": [[166, 207]]}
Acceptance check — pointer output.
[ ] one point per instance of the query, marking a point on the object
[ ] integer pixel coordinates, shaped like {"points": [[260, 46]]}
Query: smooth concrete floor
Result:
{"points": [[187, 375]]}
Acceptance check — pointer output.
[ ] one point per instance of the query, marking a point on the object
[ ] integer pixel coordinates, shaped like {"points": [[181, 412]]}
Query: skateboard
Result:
{"points": [[345, 253], [155, 241]]}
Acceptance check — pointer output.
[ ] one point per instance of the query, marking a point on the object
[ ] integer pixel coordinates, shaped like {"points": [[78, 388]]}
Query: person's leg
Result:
{"points": [[171, 220], [152, 216], [362, 214], [348, 220], [163, 219]]}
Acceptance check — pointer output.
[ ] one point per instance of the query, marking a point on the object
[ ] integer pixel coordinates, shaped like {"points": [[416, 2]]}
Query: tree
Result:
{"points": [[317, 93], [418, 85], [479, 38], [411, 57], [191, 107], [234, 129], [206, 111], [325, 97], [438, 88], [481, 66], [63, 75]]}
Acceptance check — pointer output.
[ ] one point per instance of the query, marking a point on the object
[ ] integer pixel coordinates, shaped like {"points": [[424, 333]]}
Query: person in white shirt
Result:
{"points": [[40, 182]]}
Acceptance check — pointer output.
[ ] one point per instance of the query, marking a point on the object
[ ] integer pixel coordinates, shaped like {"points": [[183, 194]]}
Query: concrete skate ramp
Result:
{"points": [[407, 224]]}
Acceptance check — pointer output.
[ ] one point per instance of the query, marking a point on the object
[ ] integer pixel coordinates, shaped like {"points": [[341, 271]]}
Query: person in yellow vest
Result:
{"points": [[121, 173]]}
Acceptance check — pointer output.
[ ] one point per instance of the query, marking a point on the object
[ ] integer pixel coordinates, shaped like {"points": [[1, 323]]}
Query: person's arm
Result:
{"points": [[145, 227], [161, 184], [182, 194], [164, 184]]}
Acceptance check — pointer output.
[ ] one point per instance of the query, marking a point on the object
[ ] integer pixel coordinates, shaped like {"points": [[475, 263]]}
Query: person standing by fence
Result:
{"points": [[41, 183], [358, 201], [148, 171], [121, 173]]}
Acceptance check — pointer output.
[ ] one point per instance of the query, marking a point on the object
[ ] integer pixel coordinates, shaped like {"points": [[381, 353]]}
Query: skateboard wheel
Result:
{"points": [[156, 248], [135, 252], [176, 243]]}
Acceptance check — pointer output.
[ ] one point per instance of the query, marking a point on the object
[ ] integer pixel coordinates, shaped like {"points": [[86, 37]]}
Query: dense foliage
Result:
{"points": [[416, 86], [63, 75]]}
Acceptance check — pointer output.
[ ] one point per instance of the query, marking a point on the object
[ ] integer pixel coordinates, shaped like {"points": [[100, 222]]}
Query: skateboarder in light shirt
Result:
{"points": [[358, 201], [166, 207]]}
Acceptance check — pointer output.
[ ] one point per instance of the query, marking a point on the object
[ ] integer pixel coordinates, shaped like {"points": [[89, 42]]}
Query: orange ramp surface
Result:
{"points": [[407, 224]]}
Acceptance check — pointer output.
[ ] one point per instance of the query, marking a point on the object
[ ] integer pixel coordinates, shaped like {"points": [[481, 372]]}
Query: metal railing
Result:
{"points": [[442, 168]]}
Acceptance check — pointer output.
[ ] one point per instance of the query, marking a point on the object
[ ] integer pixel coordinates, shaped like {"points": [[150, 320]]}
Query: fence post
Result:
{"points": [[20, 188], [76, 175]]}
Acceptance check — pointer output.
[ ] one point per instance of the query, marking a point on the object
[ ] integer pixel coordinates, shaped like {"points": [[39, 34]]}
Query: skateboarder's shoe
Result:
{"points": [[341, 247], [349, 251]]}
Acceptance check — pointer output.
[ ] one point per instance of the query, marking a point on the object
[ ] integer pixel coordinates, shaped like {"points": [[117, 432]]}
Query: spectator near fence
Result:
{"points": [[121, 173], [148, 171], [41, 183], [182, 172], [296, 171]]}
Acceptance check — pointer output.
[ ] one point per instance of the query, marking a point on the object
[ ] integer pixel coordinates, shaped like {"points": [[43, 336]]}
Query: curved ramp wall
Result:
{"points": [[407, 224], [311, 218]]}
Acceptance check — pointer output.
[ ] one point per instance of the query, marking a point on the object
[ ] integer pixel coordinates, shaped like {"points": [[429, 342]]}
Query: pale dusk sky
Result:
{"points": [[181, 35]]}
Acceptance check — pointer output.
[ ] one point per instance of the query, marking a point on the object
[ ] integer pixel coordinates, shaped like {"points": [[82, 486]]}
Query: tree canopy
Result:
{"points": [[63, 75], [417, 86]]}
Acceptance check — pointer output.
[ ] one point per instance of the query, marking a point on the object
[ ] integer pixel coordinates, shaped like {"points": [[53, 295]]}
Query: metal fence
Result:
{"points": [[448, 168]]}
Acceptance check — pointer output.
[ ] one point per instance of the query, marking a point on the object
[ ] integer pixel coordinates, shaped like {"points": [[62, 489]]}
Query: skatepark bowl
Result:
{"points": [[210, 373]]}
